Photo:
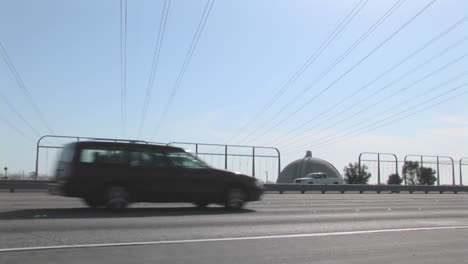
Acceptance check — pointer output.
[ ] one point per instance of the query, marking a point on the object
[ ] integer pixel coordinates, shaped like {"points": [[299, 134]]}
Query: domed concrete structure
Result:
{"points": [[306, 165]]}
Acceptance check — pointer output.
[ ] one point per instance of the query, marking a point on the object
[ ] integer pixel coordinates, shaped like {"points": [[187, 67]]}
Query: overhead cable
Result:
{"points": [[188, 57], [348, 71], [23, 87], [154, 67], [332, 66], [309, 61]]}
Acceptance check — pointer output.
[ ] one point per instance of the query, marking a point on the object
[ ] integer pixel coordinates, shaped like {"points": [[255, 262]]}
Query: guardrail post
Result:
{"points": [[396, 164], [253, 162], [279, 163], [453, 173], [378, 168], [226, 157], [461, 173], [359, 164]]}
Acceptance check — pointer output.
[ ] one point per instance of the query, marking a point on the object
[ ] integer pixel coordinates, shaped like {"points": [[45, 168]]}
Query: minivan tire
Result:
{"points": [[117, 198], [235, 198]]}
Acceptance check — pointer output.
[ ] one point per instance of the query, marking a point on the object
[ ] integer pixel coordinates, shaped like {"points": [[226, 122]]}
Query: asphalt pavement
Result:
{"points": [[288, 228]]}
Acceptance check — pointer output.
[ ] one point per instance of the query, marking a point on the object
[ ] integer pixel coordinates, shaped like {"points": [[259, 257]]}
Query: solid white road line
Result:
{"points": [[148, 243]]}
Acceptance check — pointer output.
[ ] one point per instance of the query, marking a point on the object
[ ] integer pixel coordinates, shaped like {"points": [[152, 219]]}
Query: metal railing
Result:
{"points": [[421, 159], [379, 155], [226, 153], [461, 164], [13, 185]]}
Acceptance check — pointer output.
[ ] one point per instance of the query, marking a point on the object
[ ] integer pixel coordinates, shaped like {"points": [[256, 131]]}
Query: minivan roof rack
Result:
{"points": [[102, 139]]}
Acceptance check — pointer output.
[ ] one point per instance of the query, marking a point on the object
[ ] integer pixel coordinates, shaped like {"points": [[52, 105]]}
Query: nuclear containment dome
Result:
{"points": [[301, 167]]}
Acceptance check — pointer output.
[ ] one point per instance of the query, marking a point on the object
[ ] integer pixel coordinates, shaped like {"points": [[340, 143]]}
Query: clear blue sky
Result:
{"points": [[68, 55]]}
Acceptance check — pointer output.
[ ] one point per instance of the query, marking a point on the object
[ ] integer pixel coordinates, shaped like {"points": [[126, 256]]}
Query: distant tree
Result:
{"points": [[410, 172], [426, 176], [394, 179], [352, 174]]}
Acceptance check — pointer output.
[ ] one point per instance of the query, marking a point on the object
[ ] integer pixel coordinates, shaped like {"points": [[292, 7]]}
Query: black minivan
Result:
{"points": [[114, 174]]}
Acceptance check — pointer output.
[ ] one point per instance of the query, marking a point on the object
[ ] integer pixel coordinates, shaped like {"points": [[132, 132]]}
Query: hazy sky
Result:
{"points": [[382, 95]]}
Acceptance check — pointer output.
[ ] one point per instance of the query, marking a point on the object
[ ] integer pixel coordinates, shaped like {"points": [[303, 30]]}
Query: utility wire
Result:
{"points": [[23, 87], [123, 62], [188, 57], [426, 92], [394, 94], [301, 94], [396, 80], [383, 122], [154, 67], [397, 93], [311, 59], [13, 127], [392, 68], [348, 71], [14, 110]]}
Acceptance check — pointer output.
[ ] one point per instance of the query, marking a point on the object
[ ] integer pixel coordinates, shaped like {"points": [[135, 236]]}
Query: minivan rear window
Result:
{"points": [[67, 153]]}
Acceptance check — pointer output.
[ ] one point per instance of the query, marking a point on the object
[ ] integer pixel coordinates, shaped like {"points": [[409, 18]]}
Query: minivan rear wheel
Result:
{"points": [[117, 198], [235, 198]]}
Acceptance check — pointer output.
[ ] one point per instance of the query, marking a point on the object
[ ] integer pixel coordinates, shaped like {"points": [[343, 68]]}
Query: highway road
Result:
{"points": [[288, 228]]}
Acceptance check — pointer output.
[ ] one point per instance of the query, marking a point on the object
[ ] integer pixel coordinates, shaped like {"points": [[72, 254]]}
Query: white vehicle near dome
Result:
{"points": [[318, 178]]}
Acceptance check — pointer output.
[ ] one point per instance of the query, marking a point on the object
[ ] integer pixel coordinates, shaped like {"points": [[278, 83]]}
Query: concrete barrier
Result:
{"points": [[12, 185], [362, 188]]}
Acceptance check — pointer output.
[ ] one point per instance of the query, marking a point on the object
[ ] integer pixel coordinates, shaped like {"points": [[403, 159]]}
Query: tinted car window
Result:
{"points": [[148, 159], [185, 160], [102, 156]]}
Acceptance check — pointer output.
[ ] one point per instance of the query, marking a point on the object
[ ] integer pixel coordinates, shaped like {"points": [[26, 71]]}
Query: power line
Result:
{"points": [[23, 87], [397, 93], [14, 110], [311, 59], [188, 57], [123, 61], [154, 67], [349, 70], [13, 127], [396, 80], [326, 138], [369, 128], [389, 70], [364, 36]]}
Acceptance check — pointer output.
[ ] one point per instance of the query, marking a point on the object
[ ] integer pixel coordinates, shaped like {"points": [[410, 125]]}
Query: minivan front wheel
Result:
{"points": [[235, 198], [117, 198]]}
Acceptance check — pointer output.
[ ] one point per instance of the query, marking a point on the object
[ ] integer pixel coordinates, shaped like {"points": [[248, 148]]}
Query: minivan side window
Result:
{"points": [[184, 160], [106, 156], [147, 159]]}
